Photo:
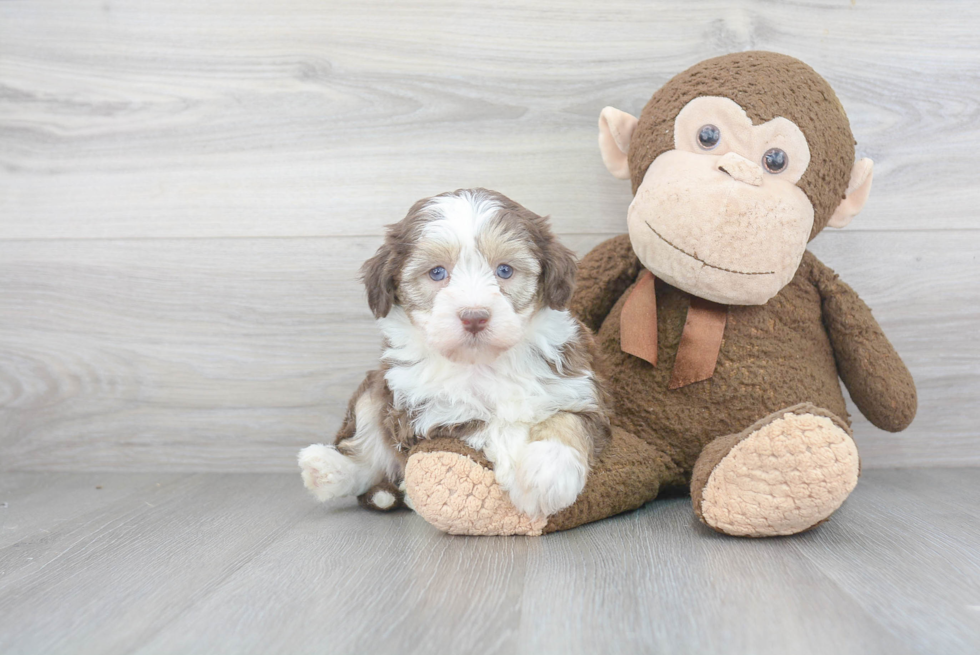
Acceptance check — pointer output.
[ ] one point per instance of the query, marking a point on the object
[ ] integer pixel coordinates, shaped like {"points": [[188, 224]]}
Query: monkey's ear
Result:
{"points": [[615, 130], [857, 194], [379, 279]]}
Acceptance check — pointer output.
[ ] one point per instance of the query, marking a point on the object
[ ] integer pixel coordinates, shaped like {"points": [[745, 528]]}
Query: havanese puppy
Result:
{"points": [[470, 291]]}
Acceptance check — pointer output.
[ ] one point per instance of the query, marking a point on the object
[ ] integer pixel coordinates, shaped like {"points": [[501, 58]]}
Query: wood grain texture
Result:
{"points": [[232, 354], [947, 558], [187, 190], [173, 118], [139, 566], [246, 563], [31, 504], [662, 580]]}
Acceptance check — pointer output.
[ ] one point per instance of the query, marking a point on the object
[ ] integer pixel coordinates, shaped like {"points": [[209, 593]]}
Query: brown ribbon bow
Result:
{"points": [[700, 343]]}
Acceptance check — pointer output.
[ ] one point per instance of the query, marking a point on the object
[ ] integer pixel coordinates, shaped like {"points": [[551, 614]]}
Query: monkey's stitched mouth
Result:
{"points": [[698, 259]]}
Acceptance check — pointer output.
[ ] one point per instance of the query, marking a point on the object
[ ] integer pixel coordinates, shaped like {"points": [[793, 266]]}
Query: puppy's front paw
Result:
{"points": [[326, 472], [549, 477]]}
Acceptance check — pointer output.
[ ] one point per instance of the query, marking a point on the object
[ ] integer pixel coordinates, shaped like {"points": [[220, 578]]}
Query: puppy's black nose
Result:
{"points": [[474, 320]]}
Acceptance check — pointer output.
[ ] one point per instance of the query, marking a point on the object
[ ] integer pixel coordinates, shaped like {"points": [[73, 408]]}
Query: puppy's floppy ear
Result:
{"points": [[557, 272], [378, 274]]}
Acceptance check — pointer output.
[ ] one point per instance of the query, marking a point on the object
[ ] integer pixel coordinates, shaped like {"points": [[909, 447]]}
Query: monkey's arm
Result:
{"points": [[877, 379], [603, 276]]}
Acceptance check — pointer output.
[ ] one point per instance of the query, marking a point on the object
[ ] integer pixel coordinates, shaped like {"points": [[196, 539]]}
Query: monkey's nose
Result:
{"points": [[740, 168], [474, 319]]}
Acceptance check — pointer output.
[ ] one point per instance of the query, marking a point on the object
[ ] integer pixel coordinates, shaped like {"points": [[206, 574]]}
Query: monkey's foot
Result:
{"points": [[786, 474], [460, 495], [454, 488]]}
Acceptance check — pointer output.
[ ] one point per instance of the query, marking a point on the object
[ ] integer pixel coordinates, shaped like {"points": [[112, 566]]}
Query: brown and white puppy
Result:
{"points": [[470, 292]]}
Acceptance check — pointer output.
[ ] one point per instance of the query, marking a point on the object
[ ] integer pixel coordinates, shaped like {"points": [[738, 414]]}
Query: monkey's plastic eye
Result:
{"points": [[708, 136], [438, 274], [504, 271], [775, 160]]}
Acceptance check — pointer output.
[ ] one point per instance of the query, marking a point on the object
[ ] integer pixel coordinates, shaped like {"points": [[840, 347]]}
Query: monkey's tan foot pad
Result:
{"points": [[784, 475], [459, 496]]}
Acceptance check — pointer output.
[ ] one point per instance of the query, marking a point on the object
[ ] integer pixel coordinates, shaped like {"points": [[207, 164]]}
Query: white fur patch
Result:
{"points": [[383, 499], [549, 477], [460, 217], [518, 386], [327, 473]]}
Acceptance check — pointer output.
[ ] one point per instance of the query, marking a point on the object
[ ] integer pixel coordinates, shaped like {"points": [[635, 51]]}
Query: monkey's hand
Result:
{"points": [[877, 379], [603, 276]]}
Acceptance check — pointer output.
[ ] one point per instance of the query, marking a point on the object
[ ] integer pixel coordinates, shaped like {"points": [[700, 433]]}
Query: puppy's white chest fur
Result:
{"points": [[524, 385]]}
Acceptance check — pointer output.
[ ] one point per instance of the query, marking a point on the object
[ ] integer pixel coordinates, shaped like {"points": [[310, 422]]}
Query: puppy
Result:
{"points": [[470, 292]]}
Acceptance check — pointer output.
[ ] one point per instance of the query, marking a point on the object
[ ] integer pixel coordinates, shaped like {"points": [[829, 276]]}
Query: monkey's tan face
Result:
{"points": [[720, 216]]}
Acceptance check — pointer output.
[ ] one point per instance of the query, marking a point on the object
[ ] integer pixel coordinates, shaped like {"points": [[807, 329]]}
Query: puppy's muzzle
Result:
{"points": [[474, 320]]}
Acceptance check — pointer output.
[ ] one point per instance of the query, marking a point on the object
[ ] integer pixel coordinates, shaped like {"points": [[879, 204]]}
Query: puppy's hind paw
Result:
{"points": [[406, 499], [326, 472], [382, 497], [550, 476]]}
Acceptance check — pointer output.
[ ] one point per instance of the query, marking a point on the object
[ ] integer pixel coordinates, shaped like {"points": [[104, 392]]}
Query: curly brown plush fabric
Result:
{"points": [[866, 360], [773, 356]]}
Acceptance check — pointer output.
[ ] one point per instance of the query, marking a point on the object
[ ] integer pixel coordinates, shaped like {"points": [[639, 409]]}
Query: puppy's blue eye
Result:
{"points": [[438, 274], [504, 271]]}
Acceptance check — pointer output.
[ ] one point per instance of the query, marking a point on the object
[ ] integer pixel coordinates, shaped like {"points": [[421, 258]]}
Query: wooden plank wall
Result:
{"points": [[188, 188]]}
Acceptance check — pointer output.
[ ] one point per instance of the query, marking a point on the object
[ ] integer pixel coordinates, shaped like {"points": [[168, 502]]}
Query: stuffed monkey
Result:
{"points": [[721, 339]]}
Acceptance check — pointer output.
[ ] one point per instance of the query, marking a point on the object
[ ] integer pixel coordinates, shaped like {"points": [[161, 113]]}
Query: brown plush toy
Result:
{"points": [[721, 338]]}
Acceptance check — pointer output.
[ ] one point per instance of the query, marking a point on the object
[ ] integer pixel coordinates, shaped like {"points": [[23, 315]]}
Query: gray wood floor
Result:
{"points": [[246, 563]]}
